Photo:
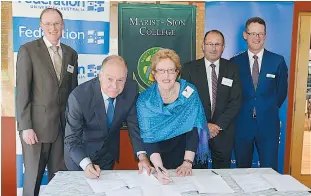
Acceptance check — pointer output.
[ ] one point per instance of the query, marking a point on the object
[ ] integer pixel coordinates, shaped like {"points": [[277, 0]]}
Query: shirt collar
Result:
{"points": [[48, 43], [259, 54], [105, 97], [208, 63]]}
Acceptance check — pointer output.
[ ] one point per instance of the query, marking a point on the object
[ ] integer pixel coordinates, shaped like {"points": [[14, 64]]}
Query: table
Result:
{"points": [[73, 183]]}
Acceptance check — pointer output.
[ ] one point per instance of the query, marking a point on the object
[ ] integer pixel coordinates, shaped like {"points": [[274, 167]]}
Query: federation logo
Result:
{"points": [[78, 6], [144, 68]]}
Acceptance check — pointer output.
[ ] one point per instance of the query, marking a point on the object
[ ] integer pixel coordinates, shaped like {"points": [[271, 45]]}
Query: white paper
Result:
{"points": [[163, 190], [106, 182], [212, 184], [134, 179], [182, 184], [251, 182], [284, 182], [125, 192]]}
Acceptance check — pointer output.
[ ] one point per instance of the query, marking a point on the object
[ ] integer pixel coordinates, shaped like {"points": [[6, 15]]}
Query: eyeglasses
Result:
{"points": [[169, 71], [56, 24], [253, 34], [212, 45]]}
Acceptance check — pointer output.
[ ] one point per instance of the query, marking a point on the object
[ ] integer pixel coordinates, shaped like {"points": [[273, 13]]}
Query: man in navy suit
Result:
{"points": [[264, 88], [94, 116]]}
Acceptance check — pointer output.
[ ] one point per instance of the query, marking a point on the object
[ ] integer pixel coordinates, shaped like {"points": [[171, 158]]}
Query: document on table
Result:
{"points": [[251, 182], [105, 183], [162, 190], [125, 192], [182, 184], [134, 179], [212, 184], [284, 182]]}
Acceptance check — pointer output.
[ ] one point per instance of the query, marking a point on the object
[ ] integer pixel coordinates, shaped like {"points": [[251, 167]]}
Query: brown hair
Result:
{"points": [[255, 20]]}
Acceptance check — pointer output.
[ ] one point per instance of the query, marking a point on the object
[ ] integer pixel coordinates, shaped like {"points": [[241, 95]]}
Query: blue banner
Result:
{"points": [[86, 37], [230, 18]]}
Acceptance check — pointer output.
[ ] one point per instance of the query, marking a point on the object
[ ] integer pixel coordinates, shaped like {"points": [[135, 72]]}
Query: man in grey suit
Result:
{"points": [[94, 116], [46, 73]]}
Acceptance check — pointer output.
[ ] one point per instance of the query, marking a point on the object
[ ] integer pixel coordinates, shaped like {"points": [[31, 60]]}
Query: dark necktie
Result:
{"points": [[255, 76], [255, 71], [110, 111], [214, 87]]}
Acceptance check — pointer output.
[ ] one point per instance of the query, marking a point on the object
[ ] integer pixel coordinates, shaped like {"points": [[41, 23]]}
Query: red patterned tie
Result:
{"points": [[255, 71], [214, 88]]}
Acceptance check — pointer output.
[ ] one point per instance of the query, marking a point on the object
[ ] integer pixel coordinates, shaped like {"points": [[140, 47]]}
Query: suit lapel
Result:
{"points": [[247, 70], [99, 106], [46, 59], [64, 63], [263, 70], [221, 74]]}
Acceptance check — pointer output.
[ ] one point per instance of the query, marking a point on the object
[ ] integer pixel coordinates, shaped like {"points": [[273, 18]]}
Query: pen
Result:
{"points": [[94, 168], [161, 170], [214, 172]]}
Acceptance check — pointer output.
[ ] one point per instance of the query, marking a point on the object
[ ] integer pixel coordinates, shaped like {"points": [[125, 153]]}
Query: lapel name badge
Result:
{"points": [[187, 92]]}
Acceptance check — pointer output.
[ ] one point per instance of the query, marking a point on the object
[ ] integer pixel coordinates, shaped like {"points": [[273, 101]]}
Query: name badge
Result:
{"points": [[70, 68], [270, 76], [187, 92], [226, 82]]}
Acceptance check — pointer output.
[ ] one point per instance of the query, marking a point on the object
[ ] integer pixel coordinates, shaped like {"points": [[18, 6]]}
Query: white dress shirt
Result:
{"points": [[209, 69], [252, 60], [51, 52], [84, 163]]}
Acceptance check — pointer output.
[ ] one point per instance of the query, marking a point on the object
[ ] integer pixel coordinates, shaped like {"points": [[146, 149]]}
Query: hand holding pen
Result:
{"points": [[163, 175], [92, 171]]}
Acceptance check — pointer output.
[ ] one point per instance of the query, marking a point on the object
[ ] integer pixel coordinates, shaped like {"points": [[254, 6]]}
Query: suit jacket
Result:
{"points": [[228, 99], [87, 129], [267, 99], [40, 97]]}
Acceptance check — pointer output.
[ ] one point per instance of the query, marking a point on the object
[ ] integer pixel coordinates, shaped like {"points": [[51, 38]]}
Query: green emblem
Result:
{"points": [[144, 66]]}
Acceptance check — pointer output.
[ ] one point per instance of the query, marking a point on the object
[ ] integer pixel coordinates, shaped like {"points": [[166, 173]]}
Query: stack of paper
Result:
{"points": [[212, 184], [284, 183], [125, 192], [251, 182]]}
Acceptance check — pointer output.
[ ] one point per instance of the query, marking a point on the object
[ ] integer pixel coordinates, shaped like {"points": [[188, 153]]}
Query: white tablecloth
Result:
{"points": [[73, 183]]}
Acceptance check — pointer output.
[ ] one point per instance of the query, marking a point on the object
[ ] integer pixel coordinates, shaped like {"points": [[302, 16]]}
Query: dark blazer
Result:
{"points": [[86, 128], [228, 101], [40, 98]]}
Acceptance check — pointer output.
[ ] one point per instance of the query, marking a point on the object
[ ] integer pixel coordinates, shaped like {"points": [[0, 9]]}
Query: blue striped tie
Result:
{"points": [[110, 111]]}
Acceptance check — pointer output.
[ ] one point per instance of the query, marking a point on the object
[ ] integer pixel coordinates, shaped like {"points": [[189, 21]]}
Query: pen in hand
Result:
{"points": [[162, 171], [95, 169]]}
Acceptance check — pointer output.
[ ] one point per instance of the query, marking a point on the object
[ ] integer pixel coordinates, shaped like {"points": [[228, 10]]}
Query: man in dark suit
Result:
{"points": [[46, 73], [264, 82], [219, 87], [95, 112]]}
